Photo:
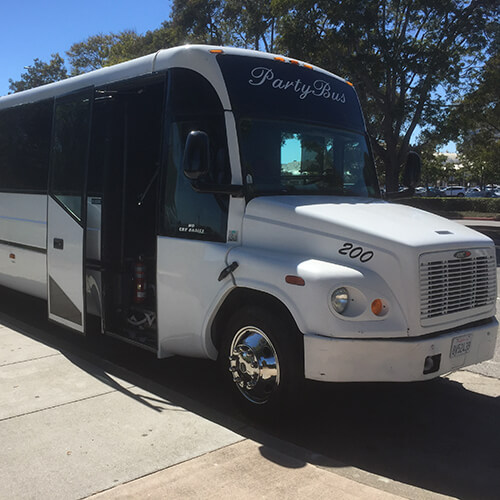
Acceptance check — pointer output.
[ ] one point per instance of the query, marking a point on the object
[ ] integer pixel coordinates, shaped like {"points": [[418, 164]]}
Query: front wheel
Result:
{"points": [[261, 358]]}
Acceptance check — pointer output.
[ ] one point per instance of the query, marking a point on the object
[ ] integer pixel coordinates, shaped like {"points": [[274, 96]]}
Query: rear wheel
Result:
{"points": [[261, 359]]}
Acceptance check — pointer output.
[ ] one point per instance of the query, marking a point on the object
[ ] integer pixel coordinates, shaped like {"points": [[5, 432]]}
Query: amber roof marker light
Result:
{"points": [[216, 51]]}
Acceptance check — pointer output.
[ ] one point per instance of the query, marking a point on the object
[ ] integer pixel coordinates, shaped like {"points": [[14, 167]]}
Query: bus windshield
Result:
{"points": [[300, 130], [297, 158]]}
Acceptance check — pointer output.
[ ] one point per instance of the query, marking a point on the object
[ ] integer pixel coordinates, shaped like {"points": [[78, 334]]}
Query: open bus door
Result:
{"points": [[66, 210]]}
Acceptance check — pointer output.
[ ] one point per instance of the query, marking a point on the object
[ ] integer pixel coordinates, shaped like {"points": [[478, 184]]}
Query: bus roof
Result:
{"points": [[189, 56]]}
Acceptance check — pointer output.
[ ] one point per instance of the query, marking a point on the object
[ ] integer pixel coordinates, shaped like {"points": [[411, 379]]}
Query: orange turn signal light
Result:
{"points": [[378, 307], [294, 280]]}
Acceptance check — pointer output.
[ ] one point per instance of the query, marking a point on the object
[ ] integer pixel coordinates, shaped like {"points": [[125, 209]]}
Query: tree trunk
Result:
{"points": [[392, 172]]}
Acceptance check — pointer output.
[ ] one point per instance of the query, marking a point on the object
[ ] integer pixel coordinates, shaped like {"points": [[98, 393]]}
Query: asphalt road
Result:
{"points": [[440, 436]]}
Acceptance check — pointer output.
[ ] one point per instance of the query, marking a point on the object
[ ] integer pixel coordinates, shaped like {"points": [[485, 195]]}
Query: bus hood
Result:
{"points": [[363, 220], [386, 243]]}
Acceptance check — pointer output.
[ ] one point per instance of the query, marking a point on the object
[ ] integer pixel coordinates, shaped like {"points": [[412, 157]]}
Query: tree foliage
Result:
{"points": [[93, 53], [130, 44], [434, 166], [105, 50], [401, 55], [475, 122], [40, 73], [407, 59], [200, 21], [253, 23]]}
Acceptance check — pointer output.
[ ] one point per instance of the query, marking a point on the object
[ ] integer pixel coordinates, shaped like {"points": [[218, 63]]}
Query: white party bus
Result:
{"points": [[223, 203]]}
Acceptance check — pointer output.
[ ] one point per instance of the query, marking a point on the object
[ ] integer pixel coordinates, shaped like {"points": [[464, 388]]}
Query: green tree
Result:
{"points": [[92, 53], [130, 44], [475, 121], [99, 51], [434, 166], [252, 22], [405, 58], [40, 73], [200, 21]]}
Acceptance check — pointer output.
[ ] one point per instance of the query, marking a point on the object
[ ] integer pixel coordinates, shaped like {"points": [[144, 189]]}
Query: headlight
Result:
{"points": [[340, 299]]}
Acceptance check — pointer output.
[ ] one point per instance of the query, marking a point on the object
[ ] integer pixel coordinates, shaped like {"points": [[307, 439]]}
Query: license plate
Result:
{"points": [[460, 345]]}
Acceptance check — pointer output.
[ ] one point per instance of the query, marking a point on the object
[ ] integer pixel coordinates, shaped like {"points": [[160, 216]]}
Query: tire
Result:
{"points": [[261, 359], [460, 195]]}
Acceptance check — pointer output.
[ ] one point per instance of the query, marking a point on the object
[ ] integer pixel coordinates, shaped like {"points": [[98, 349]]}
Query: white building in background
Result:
{"points": [[452, 160]]}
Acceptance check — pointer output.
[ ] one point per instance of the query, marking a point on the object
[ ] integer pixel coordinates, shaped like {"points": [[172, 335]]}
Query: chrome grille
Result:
{"points": [[449, 285]]}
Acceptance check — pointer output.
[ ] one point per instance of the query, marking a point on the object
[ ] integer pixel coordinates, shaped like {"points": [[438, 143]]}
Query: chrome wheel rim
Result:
{"points": [[254, 364]]}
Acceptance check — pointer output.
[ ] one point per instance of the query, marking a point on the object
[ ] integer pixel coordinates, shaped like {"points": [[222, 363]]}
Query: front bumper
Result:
{"points": [[394, 360]]}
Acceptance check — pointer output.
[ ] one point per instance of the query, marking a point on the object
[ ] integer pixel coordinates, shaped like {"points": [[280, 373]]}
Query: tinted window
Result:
{"points": [[24, 147], [69, 151], [263, 87], [194, 105], [296, 158]]}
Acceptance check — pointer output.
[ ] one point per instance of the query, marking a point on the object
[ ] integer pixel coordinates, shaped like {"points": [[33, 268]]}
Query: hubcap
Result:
{"points": [[254, 364]]}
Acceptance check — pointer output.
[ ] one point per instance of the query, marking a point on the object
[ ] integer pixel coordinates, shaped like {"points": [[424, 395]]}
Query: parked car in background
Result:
{"points": [[490, 193], [429, 191], [433, 191], [474, 192], [453, 191]]}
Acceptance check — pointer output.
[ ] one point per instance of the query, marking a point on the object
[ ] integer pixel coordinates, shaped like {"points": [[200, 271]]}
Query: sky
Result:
{"points": [[32, 29]]}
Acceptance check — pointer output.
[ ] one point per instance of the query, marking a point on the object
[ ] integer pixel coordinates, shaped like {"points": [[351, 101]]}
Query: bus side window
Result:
{"points": [[194, 105], [25, 146]]}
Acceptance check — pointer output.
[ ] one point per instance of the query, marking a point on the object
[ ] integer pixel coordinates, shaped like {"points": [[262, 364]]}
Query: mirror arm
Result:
{"points": [[206, 187]]}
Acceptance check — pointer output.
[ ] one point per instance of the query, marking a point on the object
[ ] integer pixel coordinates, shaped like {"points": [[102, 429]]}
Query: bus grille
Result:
{"points": [[451, 285]]}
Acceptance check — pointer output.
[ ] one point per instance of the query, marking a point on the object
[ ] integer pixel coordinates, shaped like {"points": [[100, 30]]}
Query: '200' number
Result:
{"points": [[355, 252]]}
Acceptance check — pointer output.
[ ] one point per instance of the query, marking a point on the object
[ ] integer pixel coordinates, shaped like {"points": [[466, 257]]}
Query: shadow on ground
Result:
{"points": [[437, 436]]}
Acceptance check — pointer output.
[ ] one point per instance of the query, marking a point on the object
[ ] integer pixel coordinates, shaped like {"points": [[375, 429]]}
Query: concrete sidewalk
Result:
{"points": [[71, 430], [245, 470]]}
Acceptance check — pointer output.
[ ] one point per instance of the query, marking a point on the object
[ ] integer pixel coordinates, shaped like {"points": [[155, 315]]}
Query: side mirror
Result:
{"points": [[412, 170], [196, 155]]}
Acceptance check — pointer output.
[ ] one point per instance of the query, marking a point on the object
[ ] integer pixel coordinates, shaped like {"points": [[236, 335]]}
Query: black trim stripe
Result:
{"points": [[24, 247]]}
